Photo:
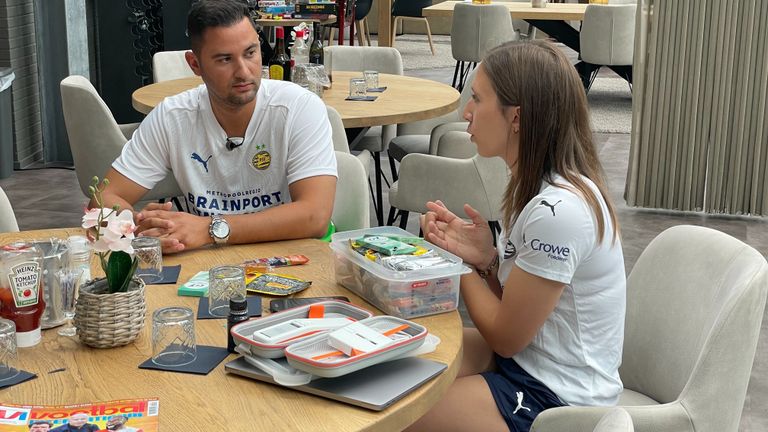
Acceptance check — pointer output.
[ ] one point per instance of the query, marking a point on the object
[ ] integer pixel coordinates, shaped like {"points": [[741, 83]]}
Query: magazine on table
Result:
{"points": [[130, 415]]}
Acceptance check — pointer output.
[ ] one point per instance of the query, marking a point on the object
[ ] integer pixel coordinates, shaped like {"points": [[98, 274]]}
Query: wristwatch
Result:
{"points": [[219, 229]]}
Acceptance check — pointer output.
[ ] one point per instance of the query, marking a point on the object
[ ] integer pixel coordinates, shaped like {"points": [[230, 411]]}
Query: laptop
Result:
{"points": [[375, 387]]}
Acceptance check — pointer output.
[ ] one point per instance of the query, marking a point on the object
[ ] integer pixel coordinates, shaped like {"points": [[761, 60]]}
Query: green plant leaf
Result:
{"points": [[119, 270]]}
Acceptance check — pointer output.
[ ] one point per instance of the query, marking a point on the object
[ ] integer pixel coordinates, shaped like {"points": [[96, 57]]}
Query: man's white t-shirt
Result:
{"points": [[288, 139], [577, 352]]}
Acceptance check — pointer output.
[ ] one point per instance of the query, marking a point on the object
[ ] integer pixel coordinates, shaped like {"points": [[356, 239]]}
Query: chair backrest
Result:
{"points": [[351, 206], [7, 217], [95, 138], [168, 65], [411, 8], [695, 302], [477, 28], [356, 58], [607, 34], [338, 135], [362, 9], [615, 420]]}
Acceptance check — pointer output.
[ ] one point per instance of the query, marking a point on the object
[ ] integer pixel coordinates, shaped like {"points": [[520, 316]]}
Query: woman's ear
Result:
{"points": [[191, 59], [513, 117]]}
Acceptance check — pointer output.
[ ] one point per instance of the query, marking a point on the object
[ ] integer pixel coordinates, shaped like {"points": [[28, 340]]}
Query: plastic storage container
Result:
{"points": [[406, 294]]}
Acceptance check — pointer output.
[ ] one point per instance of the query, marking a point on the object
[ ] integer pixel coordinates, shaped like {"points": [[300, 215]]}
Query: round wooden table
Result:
{"points": [[219, 400], [406, 99]]}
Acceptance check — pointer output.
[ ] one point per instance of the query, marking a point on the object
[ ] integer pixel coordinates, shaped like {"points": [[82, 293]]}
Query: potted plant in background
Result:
{"points": [[110, 311]]}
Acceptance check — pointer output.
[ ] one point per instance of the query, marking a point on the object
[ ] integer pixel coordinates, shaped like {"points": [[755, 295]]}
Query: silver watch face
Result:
{"points": [[220, 229]]}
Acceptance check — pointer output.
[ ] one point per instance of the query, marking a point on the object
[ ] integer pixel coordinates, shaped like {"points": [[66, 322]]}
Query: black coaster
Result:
{"points": [[208, 357], [254, 308], [361, 98], [169, 275], [18, 379], [376, 90]]}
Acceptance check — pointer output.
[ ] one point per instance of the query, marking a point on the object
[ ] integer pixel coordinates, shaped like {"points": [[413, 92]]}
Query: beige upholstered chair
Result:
{"points": [[607, 38], [385, 60], [340, 143], [350, 206], [7, 217], [411, 10], [169, 65], [477, 181], [615, 420], [96, 139], [475, 29], [695, 302]]}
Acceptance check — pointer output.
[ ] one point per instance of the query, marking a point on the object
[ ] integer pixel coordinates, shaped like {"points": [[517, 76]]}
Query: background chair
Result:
{"points": [[403, 10], [96, 139], [607, 38], [169, 65], [475, 29], [376, 139], [477, 181], [615, 420], [362, 9], [685, 371], [7, 217], [351, 210], [340, 143], [519, 24]]}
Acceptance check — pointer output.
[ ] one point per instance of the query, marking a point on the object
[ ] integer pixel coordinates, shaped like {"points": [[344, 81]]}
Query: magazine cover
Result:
{"points": [[133, 415]]}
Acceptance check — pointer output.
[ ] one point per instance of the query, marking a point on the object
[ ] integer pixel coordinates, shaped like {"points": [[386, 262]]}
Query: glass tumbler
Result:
{"points": [[371, 79], [224, 282], [68, 283], [173, 336], [357, 88], [8, 368], [150, 256]]}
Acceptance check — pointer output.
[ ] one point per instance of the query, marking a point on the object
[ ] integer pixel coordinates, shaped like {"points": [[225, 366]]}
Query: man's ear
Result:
{"points": [[192, 61]]}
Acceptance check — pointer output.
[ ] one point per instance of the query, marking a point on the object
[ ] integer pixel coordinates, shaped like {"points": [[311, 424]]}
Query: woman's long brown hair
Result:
{"points": [[555, 135]]}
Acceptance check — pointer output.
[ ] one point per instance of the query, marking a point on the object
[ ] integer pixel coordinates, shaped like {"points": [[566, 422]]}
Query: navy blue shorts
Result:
{"points": [[519, 396]]}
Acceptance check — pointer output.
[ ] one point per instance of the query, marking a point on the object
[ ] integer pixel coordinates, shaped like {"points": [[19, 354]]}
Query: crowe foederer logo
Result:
{"points": [[553, 251], [197, 157]]}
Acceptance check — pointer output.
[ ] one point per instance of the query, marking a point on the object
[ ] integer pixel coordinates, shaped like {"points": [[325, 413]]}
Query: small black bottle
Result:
{"points": [[238, 312]]}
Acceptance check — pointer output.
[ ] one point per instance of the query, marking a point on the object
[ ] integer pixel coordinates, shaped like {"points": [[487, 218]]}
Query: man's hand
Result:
{"points": [[472, 241], [177, 231]]}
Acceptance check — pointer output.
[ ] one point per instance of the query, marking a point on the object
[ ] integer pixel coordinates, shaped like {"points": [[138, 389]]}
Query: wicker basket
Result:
{"points": [[106, 320]]}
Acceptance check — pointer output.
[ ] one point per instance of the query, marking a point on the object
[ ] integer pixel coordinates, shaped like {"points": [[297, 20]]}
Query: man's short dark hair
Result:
{"points": [[39, 422], [213, 13]]}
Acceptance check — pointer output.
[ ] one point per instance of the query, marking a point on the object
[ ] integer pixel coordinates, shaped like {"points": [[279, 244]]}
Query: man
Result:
{"points": [[117, 423], [254, 158], [39, 426], [78, 422]]}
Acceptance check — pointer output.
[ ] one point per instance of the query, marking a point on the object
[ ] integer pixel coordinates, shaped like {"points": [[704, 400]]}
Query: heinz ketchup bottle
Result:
{"points": [[21, 290]]}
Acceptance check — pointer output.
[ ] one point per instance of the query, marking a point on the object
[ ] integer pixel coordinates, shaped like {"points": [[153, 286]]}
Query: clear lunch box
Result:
{"points": [[317, 356], [405, 294], [268, 337]]}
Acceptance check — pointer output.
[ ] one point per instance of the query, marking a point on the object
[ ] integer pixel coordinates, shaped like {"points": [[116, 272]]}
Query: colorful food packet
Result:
{"points": [[264, 265], [274, 284]]}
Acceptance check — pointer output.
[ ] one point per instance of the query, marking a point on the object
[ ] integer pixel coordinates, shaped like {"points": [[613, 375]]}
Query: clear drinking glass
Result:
{"points": [[265, 72], [8, 368], [357, 88], [150, 256], [68, 283], [224, 282], [371, 79], [173, 336]]}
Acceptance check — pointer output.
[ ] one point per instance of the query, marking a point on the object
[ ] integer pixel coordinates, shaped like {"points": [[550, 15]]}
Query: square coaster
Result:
{"points": [[169, 275], [18, 379], [254, 308], [208, 357], [376, 90], [361, 98]]}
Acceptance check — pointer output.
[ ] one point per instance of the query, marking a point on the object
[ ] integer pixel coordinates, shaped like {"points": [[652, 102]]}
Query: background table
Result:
{"points": [[218, 401]]}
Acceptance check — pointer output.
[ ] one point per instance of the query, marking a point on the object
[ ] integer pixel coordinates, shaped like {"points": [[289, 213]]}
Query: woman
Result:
{"points": [[549, 303]]}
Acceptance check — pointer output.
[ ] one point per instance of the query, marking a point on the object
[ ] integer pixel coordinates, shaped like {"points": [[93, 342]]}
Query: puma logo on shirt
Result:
{"points": [[551, 206], [197, 157]]}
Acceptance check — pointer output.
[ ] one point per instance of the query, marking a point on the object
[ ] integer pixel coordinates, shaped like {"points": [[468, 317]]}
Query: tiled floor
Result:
{"points": [[47, 198]]}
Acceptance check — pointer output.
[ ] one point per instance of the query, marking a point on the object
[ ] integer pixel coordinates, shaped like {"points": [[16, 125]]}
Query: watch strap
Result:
{"points": [[490, 269]]}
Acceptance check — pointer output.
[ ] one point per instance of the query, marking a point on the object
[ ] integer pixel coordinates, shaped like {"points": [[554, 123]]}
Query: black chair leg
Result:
{"points": [[391, 217], [392, 167], [379, 195], [456, 74], [403, 219]]}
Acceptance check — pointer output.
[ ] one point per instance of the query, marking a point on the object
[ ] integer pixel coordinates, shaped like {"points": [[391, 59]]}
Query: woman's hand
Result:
{"points": [[472, 241]]}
